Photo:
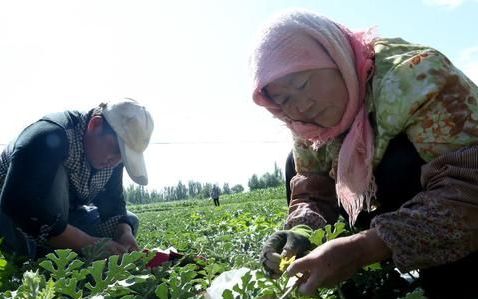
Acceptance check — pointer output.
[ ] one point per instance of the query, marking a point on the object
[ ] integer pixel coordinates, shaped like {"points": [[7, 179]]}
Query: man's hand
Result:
{"points": [[284, 243], [95, 248], [115, 248], [338, 259], [102, 248], [125, 237]]}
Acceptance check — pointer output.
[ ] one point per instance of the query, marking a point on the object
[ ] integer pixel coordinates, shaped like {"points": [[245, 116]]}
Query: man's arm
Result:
{"points": [[77, 240], [37, 154], [111, 203], [73, 238]]}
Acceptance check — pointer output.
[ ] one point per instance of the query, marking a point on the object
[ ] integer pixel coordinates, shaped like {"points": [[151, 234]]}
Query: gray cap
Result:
{"points": [[133, 125]]}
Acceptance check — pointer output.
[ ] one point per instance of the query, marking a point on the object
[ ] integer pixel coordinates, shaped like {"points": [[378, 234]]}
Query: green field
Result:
{"points": [[213, 239], [232, 233]]}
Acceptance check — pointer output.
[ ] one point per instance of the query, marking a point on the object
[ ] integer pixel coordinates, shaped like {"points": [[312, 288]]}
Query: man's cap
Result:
{"points": [[133, 125]]}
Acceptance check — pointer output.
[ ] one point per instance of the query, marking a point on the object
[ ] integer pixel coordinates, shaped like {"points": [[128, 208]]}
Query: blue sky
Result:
{"points": [[187, 61]]}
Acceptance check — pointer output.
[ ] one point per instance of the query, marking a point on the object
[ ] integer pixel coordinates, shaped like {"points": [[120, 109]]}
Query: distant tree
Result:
{"points": [[267, 180], [169, 193], [237, 188], [130, 194], [181, 191], [135, 194], [254, 183], [194, 189], [226, 189], [278, 173], [156, 196], [206, 190], [145, 198]]}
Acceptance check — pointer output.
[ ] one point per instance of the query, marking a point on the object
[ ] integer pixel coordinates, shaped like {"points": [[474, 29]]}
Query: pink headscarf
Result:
{"points": [[301, 40]]}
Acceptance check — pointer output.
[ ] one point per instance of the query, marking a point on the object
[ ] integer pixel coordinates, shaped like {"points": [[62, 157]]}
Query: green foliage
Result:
{"points": [[267, 180], [3, 273], [34, 286], [213, 241], [12, 269], [237, 189], [181, 191], [65, 263], [226, 189], [135, 194], [321, 236], [416, 294]]}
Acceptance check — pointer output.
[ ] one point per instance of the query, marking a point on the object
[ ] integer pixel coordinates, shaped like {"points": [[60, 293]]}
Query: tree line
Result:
{"points": [[136, 194]]}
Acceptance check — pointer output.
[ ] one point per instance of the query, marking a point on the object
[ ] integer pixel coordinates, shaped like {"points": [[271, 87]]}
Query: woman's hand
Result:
{"points": [[284, 243], [338, 259]]}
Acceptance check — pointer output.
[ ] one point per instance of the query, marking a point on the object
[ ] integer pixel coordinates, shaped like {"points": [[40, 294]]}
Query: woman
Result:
{"points": [[382, 128]]}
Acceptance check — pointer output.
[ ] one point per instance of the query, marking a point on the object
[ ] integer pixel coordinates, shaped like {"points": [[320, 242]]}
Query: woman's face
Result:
{"points": [[315, 96]]}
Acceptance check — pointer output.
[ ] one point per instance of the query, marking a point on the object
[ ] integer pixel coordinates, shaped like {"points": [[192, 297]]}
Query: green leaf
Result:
{"points": [[416, 294], [246, 278], [65, 262], [339, 228], [96, 271], [3, 263], [317, 237], [49, 291], [227, 294], [162, 291], [67, 286], [237, 288], [373, 267], [35, 286]]}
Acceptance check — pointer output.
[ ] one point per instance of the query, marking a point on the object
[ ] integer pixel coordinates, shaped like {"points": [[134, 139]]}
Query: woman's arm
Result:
{"points": [[313, 201], [313, 198], [439, 225]]}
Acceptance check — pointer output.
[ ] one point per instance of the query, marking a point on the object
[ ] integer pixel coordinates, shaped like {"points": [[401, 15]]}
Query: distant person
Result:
{"points": [[61, 180], [215, 192], [384, 130]]}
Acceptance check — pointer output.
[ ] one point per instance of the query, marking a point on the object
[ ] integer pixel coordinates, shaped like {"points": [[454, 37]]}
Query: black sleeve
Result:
{"points": [[38, 152], [110, 201]]}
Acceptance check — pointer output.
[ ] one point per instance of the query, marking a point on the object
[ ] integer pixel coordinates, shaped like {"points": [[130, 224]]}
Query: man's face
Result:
{"points": [[102, 149]]}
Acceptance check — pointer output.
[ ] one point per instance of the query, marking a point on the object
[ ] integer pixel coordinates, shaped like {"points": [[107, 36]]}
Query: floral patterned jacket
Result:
{"points": [[415, 90]]}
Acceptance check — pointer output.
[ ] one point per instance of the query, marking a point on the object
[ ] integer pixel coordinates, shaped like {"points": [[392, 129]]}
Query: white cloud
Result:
{"points": [[469, 53], [444, 3], [468, 62]]}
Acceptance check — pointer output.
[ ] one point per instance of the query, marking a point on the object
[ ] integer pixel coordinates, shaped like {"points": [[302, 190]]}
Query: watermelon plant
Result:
{"points": [[211, 241]]}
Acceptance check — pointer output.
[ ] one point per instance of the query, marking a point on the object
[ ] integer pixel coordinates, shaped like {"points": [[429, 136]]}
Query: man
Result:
{"points": [[61, 180], [215, 192]]}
